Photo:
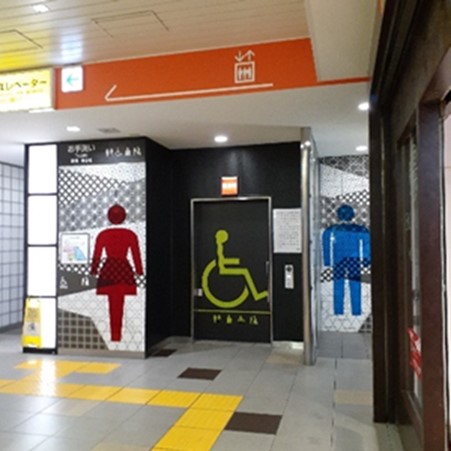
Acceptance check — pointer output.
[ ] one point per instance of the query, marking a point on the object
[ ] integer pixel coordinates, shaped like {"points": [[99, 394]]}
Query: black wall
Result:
{"points": [[265, 170], [158, 311]]}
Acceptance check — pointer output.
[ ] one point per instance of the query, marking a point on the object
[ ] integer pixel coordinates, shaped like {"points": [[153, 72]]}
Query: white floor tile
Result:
{"points": [[326, 407]]}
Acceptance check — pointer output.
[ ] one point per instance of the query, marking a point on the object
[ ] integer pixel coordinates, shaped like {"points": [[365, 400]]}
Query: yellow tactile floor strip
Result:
{"points": [[5, 382], [196, 430], [218, 402], [204, 419], [98, 368], [134, 395], [94, 392], [170, 398], [184, 439]]}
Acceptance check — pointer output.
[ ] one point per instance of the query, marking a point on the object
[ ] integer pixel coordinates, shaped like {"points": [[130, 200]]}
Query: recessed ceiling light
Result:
{"points": [[41, 110], [361, 148], [73, 128], [41, 8], [364, 106], [221, 139], [108, 130]]}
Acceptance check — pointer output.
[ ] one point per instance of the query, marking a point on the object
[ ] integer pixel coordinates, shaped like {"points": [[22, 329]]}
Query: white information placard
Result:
{"points": [[287, 231], [74, 248]]}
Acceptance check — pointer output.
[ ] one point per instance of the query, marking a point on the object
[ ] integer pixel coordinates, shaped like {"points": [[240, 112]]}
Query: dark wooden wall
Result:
{"points": [[416, 35]]}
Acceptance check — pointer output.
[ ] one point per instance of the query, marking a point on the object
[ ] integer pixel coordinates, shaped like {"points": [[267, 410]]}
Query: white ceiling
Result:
{"points": [[75, 31]]}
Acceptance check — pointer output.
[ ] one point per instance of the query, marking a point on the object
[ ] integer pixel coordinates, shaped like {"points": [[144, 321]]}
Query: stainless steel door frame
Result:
{"points": [[309, 263]]}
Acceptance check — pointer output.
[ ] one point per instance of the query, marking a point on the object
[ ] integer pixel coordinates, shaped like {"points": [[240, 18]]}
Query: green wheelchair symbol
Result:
{"points": [[229, 267]]}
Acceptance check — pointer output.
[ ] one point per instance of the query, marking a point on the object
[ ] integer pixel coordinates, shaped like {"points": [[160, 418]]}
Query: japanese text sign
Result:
{"points": [[23, 91]]}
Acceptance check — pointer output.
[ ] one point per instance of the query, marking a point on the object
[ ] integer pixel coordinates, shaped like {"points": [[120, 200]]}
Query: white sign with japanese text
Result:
{"points": [[287, 230]]}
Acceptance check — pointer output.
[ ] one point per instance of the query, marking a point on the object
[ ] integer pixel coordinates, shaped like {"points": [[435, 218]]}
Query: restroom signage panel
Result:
{"points": [[101, 152], [101, 278]]}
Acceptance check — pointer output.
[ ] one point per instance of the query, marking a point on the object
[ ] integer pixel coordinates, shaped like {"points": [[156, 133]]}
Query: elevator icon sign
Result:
{"points": [[245, 67]]}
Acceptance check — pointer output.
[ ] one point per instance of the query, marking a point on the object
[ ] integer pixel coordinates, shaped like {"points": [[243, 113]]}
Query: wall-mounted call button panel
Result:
{"points": [[289, 277]]}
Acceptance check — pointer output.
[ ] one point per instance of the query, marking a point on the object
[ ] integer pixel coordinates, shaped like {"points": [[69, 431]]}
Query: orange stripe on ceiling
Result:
{"points": [[233, 70]]}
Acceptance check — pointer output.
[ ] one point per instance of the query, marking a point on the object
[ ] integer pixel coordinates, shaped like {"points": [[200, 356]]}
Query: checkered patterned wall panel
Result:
{"points": [[345, 181], [88, 317]]}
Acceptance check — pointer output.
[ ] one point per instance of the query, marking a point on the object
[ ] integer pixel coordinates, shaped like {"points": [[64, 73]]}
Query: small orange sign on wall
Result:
{"points": [[229, 186]]}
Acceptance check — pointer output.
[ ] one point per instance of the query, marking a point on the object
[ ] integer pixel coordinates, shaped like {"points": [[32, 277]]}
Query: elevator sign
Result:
{"points": [[24, 91]]}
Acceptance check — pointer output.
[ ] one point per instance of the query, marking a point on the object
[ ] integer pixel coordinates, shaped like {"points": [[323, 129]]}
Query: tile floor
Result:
{"points": [[202, 396]]}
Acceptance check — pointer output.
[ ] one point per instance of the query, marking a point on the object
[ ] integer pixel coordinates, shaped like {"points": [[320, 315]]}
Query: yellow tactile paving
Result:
{"points": [[204, 419], [196, 430], [186, 439], [51, 369], [38, 364], [47, 375], [59, 390], [94, 392], [98, 368], [38, 376], [38, 388], [170, 398], [72, 365], [21, 388], [29, 365], [217, 402], [65, 367], [134, 396]]}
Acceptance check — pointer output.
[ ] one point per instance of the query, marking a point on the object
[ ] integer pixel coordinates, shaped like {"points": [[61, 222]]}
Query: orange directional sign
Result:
{"points": [[243, 69]]}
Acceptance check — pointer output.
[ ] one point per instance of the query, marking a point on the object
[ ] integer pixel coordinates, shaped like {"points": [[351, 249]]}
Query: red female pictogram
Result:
{"points": [[116, 278]]}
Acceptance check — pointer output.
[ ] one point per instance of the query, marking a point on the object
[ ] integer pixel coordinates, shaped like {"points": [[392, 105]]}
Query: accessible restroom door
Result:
{"points": [[231, 269]]}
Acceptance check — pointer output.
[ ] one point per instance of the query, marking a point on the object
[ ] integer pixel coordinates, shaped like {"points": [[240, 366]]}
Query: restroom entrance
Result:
{"points": [[231, 269]]}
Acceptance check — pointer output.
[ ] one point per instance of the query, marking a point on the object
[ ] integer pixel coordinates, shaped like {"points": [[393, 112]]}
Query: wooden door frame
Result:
{"points": [[408, 409], [415, 37], [430, 201]]}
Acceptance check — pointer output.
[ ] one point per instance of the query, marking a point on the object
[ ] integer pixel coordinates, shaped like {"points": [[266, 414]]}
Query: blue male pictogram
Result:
{"points": [[346, 247]]}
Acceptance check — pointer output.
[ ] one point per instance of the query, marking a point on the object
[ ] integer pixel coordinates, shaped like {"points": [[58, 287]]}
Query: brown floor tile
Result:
{"points": [[200, 373], [254, 422]]}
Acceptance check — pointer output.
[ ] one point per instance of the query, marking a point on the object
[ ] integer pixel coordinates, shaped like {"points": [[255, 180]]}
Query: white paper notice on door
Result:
{"points": [[287, 230]]}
